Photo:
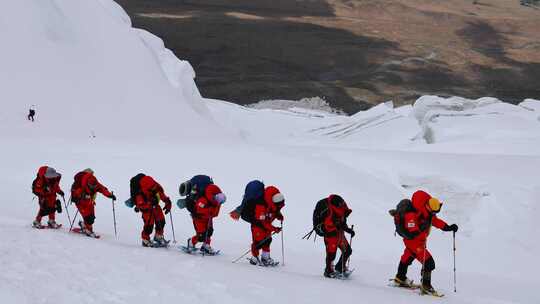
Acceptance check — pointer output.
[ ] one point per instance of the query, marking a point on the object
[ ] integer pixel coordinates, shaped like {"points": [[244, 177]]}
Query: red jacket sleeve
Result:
{"points": [[56, 187], [163, 196], [103, 190], [216, 210], [437, 222]]}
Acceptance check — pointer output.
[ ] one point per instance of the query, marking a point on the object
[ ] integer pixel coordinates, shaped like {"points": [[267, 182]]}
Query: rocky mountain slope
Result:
{"points": [[354, 53]]}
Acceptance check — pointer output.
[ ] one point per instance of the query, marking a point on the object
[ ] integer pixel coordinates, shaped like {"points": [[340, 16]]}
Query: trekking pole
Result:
{"points": [[114, 217], [350, 244], [71, 226], [282, 247], [66, 207], [308, 235], [172, 227], [340, 246], [454, 234], [423, 265], [249, 250]]}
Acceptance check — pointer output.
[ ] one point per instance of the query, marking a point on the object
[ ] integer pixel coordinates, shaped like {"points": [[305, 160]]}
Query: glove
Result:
{"points": [[452, 227], [113, 197], [167, 207], [58, 206], [350, 231], [61, 193], [137, 209], [276, 229], [234, 215]]}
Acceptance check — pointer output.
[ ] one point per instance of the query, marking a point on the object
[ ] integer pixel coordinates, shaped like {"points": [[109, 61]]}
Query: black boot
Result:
{"points": [[426, 282], [401, 276], [340, 265], [329, 269], [329, 272]]}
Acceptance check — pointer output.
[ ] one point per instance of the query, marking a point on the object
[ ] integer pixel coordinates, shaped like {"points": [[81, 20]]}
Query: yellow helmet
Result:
{"points": [[434, 205]]}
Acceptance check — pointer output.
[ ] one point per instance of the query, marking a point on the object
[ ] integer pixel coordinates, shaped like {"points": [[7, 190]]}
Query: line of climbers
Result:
{"points": [[260, 207]]}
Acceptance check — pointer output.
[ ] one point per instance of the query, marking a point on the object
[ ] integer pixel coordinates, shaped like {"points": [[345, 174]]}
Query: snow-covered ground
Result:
{"points": [[112, 98]]}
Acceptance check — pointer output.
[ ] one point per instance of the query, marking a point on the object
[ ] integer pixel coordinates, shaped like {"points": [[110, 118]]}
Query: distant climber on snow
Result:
{"points": [[31, 114]]}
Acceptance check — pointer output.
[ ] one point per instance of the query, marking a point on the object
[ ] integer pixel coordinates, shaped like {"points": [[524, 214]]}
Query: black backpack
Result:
{"points": [[194, 189], [34, 185], [189, 202], [253, 195], [248, 209], [77, 184], [319, 214], [135, 187], [403, 207]]}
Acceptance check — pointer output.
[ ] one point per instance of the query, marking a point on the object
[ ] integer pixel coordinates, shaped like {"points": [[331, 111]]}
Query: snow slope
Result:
{"points": [[96, 73], [84, 66]]}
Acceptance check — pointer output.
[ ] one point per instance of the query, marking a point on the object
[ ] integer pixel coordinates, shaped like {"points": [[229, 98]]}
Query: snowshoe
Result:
{"points": [[429, 290], [82, 230], [207, 250], [164, 244], [189, 248], [254, 261], [195, 250], [268, 262], [407, 283], [37, 225], [160, 241], [344, 274], [53, 224], [85, 233], [330, 274], [147, 243]]}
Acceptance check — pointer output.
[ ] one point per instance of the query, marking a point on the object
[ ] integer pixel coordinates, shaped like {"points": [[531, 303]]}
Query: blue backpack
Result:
{"points": [[193, 189], [253, 195]]}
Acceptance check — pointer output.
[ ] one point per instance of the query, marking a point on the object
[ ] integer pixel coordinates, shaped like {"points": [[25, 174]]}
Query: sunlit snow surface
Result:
{"points": [[112, 98]]}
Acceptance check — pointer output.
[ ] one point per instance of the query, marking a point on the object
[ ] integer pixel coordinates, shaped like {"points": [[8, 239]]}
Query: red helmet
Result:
{"points": [[213, 194], [272, 196], [419, 200], [337, 204]]}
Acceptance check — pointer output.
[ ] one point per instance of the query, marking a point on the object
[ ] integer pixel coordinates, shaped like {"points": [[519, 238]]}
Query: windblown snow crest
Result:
{"points": [[87, 53]]}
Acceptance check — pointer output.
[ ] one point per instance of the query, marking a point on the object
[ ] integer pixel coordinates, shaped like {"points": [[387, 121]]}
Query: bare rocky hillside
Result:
{"points": [[354, 53]]}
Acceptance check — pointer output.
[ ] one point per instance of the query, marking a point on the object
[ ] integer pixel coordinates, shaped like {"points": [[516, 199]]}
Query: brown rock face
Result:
{"points": [[354, 53]]}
